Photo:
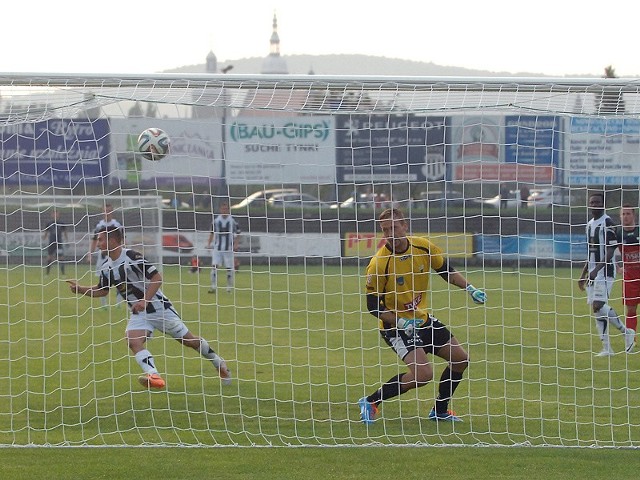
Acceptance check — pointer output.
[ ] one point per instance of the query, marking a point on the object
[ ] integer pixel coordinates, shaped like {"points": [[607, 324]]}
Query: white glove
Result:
{"points": [[478, 296], [409, 325]]}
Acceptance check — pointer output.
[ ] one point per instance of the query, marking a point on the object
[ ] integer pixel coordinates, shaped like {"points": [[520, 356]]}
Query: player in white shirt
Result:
{"points": [[224, 232], [139, 283], [598, 275]]}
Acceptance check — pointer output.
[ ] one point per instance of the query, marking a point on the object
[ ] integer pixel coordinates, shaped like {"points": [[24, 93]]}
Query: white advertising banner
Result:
{"points": [[195, 154], [258, 244], [602, 151], [262, 150]]}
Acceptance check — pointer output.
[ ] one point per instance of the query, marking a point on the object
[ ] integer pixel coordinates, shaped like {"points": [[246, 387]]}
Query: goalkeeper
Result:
{"points": [[396, 287]]}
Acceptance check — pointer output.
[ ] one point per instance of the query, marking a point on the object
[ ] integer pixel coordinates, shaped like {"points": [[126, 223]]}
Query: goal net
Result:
{"points": [[496, 172]]}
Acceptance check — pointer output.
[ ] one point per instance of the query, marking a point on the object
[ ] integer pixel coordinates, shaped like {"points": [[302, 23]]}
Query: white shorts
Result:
{"points": [[222, 259], [166, 321], [600, 290]]}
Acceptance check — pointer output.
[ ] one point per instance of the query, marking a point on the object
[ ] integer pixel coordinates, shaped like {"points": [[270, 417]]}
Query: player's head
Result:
{"points": [[596, 204], [109, 239], [394, 229], [224, 208], [108, 210], [628, 215]]}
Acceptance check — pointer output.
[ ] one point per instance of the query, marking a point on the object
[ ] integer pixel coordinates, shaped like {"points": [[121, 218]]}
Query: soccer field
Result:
{"points": [[303, 351]]}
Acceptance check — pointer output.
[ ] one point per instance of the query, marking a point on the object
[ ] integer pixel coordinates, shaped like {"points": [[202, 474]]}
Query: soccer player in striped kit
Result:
{"points": [[224, 233], [139, 282], [628, 236], [598, 275]]}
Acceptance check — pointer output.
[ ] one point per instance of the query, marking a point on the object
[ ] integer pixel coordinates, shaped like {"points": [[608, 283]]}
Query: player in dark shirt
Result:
{"points": [[55, 235]]}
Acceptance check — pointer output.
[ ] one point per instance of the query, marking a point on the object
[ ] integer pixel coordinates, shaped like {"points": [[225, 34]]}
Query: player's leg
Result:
{"points": [[229, 266], [605, 312], [631, 294], [409, 349], [139, 328], [201, 346], [50, 257], [171, 324], [104, 301], [215, 261], [60, 258], [447, 347], [632, 316], [136, 339]]}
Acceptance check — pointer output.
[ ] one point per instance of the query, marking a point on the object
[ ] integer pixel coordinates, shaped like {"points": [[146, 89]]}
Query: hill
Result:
{"points": [[342, 64]]}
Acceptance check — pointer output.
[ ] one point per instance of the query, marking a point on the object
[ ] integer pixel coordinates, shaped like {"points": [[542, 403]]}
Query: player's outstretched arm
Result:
{"points": [[93, 291]]}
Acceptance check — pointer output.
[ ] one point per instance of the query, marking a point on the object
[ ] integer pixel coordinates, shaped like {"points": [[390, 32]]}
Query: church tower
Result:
{"points": [[274, 63]]}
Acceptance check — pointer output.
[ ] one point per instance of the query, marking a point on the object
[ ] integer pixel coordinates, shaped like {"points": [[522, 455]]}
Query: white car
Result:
{"points": [[548, 197], [513, 200]]}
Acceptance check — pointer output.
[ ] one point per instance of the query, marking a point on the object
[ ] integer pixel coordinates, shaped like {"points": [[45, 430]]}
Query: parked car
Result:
{"points": [[549, 196], [261, 198], [296, 200], [366, 200], [513, 201], [437, 199]]}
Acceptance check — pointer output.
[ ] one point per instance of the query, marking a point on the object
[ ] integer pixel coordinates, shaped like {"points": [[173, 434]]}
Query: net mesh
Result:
{"points": [[494, 171]]}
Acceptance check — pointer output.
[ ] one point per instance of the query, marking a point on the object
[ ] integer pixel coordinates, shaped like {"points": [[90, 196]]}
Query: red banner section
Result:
{"points": [[504, 172]]}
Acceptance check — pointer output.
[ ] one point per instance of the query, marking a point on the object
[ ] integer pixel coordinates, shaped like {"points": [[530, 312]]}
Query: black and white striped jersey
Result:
{"points": [[601, 234], [224, 229], [129, 274]]}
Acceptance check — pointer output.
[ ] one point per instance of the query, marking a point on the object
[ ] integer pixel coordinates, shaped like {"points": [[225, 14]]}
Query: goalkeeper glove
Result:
{"points": [[409, 325], [478, 296]]}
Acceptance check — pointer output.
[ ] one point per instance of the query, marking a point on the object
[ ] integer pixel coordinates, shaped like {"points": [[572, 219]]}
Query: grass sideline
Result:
{"points": [[304, 352], [327, 463]]}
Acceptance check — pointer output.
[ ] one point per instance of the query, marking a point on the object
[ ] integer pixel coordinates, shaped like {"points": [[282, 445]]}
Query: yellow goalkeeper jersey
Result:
{"points": [[401, 280]]}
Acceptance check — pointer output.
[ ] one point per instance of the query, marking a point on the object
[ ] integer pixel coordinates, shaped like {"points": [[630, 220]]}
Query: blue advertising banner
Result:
{"points": [[383, 148], [532, 140], [531, 246], [59, 153]]}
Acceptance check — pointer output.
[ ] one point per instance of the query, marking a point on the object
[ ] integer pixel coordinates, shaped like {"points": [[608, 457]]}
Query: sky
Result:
{"points": [[551, 37]]}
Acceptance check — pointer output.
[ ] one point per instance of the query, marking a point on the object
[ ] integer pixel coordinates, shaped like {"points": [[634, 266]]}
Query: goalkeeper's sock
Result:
{"points": [[391, 389], [207, 352], [145, 360], [449, 381]]}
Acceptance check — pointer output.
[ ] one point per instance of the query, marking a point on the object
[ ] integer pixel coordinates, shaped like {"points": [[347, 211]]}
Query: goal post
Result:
{"points": [[495, 171]]}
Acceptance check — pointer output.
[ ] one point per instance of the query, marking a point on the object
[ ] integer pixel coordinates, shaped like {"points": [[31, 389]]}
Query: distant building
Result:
{"points": [[274, 63]]}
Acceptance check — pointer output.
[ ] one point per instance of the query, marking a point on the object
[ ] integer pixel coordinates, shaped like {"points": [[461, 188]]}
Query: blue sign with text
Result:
{"points": [[532, 140], [60, 153]]}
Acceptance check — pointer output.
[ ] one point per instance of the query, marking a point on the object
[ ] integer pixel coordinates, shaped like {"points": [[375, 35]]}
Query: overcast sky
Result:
{"points": [[552, 37]]}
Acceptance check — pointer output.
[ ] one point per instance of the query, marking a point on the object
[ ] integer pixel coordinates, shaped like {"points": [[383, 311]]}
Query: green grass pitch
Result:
{"points": [[303, 352]]}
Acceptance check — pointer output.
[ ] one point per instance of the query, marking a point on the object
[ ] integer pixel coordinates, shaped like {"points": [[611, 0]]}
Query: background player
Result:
{"points": [[56, 234], [223, 236], [139, 283], [598, 275], [628, 236], [397, 293]]}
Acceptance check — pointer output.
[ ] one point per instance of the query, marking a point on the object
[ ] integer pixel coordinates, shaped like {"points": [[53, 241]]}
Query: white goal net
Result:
{"points": [[497, 172]]}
